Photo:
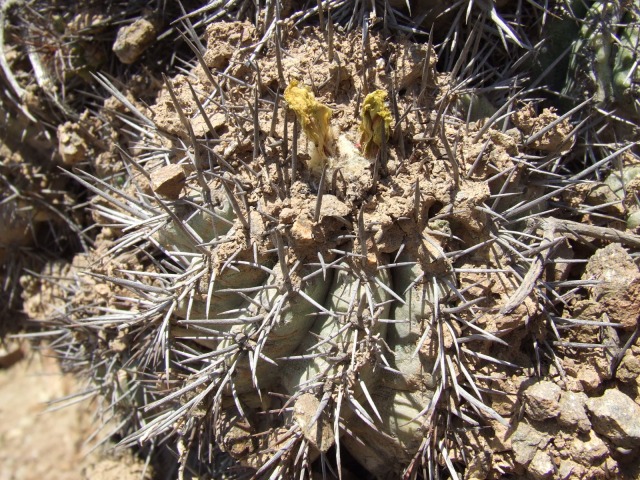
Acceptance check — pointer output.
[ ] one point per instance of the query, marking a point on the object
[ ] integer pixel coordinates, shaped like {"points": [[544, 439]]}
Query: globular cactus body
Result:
{"points": [[595, 47], [290, 301]]}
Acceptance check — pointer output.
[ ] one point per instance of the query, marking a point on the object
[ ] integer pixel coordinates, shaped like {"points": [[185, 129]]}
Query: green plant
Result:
{"points": [[603, 57]]}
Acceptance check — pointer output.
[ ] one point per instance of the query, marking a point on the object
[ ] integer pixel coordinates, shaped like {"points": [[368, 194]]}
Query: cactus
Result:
{"points": [[589, 60], [49, 50], [604, 55], [288, 305], [320, 254]]}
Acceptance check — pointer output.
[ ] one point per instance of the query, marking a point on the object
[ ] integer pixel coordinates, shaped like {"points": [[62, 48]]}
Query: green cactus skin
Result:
{"points": [[605, 54], [626, 75]]}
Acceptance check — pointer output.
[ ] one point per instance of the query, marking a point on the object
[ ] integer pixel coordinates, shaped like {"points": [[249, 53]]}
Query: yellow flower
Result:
{"points": [[313, 116], [376, 123]]}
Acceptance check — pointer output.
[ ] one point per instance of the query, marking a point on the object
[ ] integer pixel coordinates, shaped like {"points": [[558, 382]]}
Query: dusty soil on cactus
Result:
{"points": [[573, 414]]}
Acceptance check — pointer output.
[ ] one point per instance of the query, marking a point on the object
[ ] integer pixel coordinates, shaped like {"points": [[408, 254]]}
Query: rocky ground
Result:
{"points": [[41, 438]]}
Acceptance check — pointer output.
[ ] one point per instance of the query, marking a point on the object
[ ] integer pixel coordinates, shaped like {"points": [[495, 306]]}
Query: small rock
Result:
{"points": [[617, 417], [525, 442], [320, 432], [217, 120], [541, 400], [287, 216], [589, 378], [588, 453], [629, 369], [302, 231], [541, 466], [572, 411], [71, 146], [500, 441], [619, 290], [569, 470], [332, 207], [132, 40], [168, 181], [610, 468]]}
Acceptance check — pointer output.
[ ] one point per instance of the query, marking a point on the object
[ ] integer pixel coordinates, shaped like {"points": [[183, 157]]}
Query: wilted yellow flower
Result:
{"points": [[376, 123], [313, 116]]}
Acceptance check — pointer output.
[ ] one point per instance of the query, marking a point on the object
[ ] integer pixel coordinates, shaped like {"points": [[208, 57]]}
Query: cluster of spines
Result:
{"points": [[220, 363]]}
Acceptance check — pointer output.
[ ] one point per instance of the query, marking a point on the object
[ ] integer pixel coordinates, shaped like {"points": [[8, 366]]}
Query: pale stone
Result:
{"points": [[132, 40], [589, 378], [168, 181], [541, 400], [541, 466], [525, 441], [332, 207], [617, 417], [618, 292], [569, 470], [318, 430], [588, 453], [302, 231], [572, 411]]}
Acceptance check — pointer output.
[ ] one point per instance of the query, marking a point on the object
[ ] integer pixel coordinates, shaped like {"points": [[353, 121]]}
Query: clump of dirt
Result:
{"points": [[543, 132], [35, 214]]}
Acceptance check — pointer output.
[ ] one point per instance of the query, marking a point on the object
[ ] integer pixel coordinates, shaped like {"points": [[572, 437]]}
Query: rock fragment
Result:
{"points": [[541, 466], [617, 417], [168, 181], [590, 452], [572, 411], [619, 290], [568, 470], [317, 430], [629, 369], [525, 442], [541, 401], [132, 40]]}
